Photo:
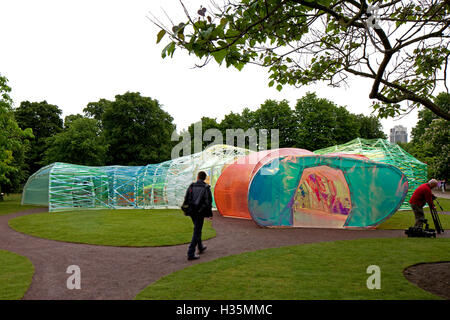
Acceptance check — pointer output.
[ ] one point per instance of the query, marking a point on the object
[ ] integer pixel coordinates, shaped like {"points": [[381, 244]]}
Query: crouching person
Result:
{"points": [[420, 197]]}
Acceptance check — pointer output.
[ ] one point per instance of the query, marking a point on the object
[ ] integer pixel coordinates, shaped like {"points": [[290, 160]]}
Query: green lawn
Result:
{"points": [[135, 228], [328, 270], [16, 273], [445, 204], [405, 219], [12, 204]]}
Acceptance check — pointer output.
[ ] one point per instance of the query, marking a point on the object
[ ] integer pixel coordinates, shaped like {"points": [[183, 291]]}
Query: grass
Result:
{"points": [[328, 270], [16, 273], [135, 228], [405, 219], [12, 204], [445, 204]]}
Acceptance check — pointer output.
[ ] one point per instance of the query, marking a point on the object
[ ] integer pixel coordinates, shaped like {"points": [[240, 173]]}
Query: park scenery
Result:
{"points": [[310, 200]]}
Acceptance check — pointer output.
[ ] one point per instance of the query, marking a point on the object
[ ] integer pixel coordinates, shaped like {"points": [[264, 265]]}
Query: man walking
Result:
{"points": [[199, 198], [421, 196]]}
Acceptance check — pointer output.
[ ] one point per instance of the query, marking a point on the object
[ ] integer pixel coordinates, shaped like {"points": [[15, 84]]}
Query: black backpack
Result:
{"points": [[190, 205]]}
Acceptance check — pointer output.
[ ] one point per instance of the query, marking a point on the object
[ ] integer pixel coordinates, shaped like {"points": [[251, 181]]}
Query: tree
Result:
{"points": [[205, 123], [81, 142], [430, 143], [270, 115], [425, 116], [242, 121], [13, 143], [401, 46], [435, 149], [322, 124], [315, 123], [45, 121], [96, 109], [347, 125], [71, 118], [137, 130], [276, 115], [370, 127], [407, 146]]}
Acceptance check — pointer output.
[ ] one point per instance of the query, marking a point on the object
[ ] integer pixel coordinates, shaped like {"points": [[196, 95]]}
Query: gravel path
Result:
{"points": [[122, 272], [441, 194]]}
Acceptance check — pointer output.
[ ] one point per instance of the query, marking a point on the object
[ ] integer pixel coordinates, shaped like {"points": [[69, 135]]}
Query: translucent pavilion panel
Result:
{"points": [[164, 185], [123, 185], [180, 174], [383, 151], [139, 187], [159, 185], [65, 186], [183, 170], [322, 198], [231, 190], [215, 159], [77, 187], [311, 191], [147, 185], [36, 190]]}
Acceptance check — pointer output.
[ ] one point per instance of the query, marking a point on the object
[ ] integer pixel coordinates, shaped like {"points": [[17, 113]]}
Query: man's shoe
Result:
{"points": [[193, 257], [202, 250]]}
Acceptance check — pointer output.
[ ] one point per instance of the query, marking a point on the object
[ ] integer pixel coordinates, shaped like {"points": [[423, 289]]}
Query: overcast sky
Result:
{"points": [[71, 53]]}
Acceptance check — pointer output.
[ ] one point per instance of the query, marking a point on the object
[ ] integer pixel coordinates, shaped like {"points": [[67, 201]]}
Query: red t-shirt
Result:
{"points": [[422, 195]]}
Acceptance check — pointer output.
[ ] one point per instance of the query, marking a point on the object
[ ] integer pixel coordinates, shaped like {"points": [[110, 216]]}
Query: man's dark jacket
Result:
{"points": [[199, 197]]}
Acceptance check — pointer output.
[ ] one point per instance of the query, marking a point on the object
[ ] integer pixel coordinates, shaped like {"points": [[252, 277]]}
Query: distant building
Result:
{"points": [[398, 134]]}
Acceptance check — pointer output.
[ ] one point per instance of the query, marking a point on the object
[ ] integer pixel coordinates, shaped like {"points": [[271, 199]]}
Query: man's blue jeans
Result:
{"points": [[197, 220]]}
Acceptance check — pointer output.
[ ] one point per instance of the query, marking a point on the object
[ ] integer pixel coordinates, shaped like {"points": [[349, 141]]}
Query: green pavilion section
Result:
{"points": [[64, 186]]}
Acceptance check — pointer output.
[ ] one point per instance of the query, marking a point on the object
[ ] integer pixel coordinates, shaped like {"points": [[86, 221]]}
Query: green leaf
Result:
{"points": [[160, 35], [168, 50], [231, 34], [223, 22], [219, 55], [239, 66]]}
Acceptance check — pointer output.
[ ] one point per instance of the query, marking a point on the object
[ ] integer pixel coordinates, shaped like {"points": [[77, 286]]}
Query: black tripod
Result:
{"points": [[436, 220]]}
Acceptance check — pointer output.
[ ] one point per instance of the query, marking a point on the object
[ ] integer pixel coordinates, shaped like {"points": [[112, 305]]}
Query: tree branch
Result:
{"points": [[408, 95]]}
